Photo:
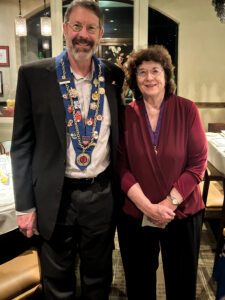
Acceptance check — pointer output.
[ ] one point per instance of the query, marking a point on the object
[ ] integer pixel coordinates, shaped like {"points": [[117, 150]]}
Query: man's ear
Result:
{"points": [[101, 32], [64, 29]]}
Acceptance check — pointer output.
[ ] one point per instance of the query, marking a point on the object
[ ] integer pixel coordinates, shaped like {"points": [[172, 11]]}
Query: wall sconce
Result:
{"points": [[20, 24], [45, 45], [46, 27]]}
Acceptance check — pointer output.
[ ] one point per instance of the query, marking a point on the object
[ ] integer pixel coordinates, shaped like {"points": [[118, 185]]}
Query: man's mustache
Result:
{"points": [[82, 40]]}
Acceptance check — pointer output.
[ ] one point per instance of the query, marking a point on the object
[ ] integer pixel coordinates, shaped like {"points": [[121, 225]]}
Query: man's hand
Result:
{"points": [[27, 223]]}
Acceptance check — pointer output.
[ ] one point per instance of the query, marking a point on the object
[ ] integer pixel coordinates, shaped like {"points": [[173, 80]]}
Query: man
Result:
{"points": [[66, 122]]}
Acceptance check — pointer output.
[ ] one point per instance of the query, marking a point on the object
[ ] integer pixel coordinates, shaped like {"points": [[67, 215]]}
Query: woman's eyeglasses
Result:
{"points": [[144, 73]]}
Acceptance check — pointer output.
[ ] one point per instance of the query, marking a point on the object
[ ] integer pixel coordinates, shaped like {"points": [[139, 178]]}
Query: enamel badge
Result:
{"points": [[83, 159]]}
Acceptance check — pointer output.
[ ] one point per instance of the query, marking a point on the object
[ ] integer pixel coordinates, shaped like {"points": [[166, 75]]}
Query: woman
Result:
{"points": [[161, 160]]}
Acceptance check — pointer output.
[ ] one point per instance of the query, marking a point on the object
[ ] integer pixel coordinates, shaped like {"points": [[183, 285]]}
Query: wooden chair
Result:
{"points": [[213, 194], [20, 277], [214, 199], [216, 127], [221, 235], [2, 149]]}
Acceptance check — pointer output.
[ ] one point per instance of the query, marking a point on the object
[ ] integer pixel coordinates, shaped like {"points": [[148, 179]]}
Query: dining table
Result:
{"points": [[7, 203], [12, 241], [216, 150]]}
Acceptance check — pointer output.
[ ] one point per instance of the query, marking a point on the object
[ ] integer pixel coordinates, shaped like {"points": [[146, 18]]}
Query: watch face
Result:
{"points": [[175, 202]]}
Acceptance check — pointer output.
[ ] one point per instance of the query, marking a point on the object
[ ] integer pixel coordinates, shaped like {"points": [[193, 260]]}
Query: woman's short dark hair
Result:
{"points": [[88, 4], [156, 53]]}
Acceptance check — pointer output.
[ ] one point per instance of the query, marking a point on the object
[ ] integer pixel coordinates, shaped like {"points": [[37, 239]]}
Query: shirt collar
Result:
{"points": [[88, 77]]}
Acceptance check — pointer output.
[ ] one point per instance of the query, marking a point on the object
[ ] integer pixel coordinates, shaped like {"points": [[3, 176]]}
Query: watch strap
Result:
{"points": [[174, 200]]}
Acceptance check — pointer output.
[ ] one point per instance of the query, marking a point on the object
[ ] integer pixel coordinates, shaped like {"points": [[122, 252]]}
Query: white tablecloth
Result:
{"points": [[7, 218], [7, 204], [216, 150]]}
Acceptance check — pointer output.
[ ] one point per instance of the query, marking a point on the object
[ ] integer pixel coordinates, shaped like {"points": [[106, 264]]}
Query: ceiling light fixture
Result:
{"points": [[46, 26], [20, 23]]}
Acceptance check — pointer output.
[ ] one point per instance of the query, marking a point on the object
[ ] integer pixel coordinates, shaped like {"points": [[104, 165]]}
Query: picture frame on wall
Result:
{"points": [[4, 56], [1, 85]]}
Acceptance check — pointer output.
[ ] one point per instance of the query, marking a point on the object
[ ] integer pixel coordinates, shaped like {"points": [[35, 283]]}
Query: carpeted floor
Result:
{"points": [[206, 287]]}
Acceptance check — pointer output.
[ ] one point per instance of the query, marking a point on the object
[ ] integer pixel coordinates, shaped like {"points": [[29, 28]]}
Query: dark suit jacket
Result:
{"points": [[38, 149]]}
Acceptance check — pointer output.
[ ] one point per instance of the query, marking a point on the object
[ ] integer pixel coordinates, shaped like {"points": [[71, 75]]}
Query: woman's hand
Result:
{"points": [[160, 215]]}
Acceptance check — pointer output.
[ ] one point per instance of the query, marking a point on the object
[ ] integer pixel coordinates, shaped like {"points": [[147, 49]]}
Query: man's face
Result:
{"points": [[82, 33]]}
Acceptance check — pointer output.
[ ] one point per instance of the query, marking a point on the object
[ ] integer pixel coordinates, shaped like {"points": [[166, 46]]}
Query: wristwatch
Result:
{"points": [[174, 200]]}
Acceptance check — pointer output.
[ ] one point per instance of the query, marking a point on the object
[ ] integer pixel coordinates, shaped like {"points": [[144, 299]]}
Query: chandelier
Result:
{"points": [[219, 6], [20, 23], [46, 27]]}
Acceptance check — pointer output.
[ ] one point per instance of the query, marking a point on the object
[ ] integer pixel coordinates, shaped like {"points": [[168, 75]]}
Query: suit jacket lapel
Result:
{"points": [[110, 88], [111, 96], [56, 103]]}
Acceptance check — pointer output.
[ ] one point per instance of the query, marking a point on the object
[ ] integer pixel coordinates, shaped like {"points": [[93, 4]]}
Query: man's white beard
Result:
{"points": [[78, 54]]}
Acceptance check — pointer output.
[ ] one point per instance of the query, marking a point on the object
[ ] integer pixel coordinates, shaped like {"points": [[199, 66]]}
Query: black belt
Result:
{"points": [[88, 181]]}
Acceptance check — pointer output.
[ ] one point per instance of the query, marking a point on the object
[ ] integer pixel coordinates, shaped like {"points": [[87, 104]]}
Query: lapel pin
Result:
{"points": [[64, 81]]}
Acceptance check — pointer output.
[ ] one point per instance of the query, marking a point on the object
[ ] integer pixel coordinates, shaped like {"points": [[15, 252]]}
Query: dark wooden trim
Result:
{"points": [[210, 104], [116, 41]]}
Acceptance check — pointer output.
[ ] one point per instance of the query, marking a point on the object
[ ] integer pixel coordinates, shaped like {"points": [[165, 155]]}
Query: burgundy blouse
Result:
{"points": [[180, 162]]}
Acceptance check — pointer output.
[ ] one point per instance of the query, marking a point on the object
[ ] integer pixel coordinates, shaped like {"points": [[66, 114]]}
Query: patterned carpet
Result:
{"points": [[206, 287]]}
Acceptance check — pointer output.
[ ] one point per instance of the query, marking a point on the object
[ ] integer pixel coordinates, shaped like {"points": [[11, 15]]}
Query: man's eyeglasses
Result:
{"points": [[154, 72], [76, 27]]}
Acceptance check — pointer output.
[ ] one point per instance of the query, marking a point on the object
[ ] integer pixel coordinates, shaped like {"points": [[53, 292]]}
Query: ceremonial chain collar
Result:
{"points": [[95, 96], [84, 136]]}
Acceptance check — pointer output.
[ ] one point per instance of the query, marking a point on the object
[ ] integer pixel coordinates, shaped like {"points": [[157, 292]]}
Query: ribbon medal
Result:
{"points": [[78, 116], [89, 122], [70, 109], [86, 140], [73, 135], [99, 117], [95, 96], [73, 93], [95, 82], [93, 106], [69, 123], [102, 91], [95, 135], [76, 105], [83, 159]]}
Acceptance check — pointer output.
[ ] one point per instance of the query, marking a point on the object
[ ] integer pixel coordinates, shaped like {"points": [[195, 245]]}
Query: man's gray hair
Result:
{"points": [[88, 4]]}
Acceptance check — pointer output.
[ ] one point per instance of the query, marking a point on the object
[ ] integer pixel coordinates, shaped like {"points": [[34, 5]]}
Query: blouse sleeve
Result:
{"points": [[197, 148]]}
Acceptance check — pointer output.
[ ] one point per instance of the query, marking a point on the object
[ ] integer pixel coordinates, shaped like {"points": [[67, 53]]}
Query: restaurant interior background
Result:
{"points": [[190, 30]]}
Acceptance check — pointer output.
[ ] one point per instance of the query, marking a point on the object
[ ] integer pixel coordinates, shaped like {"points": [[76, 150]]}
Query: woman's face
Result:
{"points": [[151, 79]]}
